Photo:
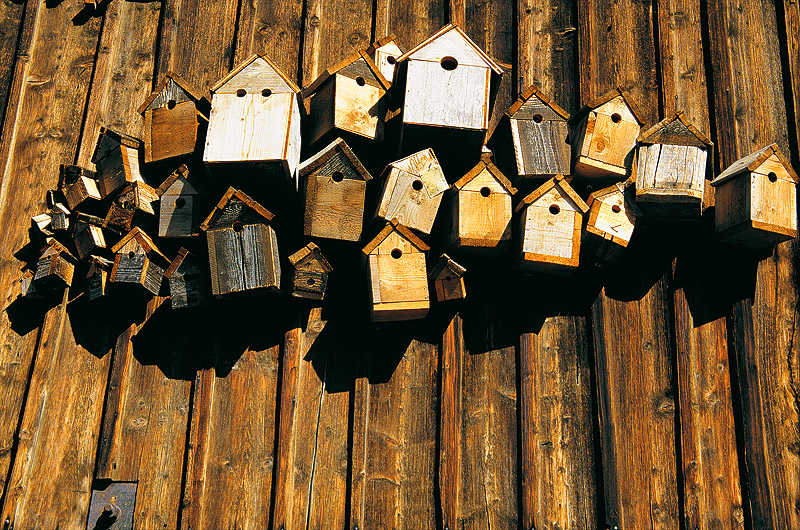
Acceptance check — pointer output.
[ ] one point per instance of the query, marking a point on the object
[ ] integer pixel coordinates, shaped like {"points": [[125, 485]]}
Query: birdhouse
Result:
{"points": [[255, 117], [335, 187], [179, 212], [756, 203], [242, 246], [138, 262], [550, 227], [117, 158], [670, 169], [26, 288], [172, 114], [119, 219], [78, 185], [41, 223], [97, 277], [395, 261], [609, 227], [188, 281], [310, 272], [138, 197], [59, 217], [481, 209], [54, 270], [412, 191], [88, 235], [603, 136], [533, 133], [349, 97], [384, 53], [448, 279]]}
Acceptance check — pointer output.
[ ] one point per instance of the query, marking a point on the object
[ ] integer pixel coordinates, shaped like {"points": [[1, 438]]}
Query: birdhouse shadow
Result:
{"points": [[84, 15], [25, 315], [97, 324]]}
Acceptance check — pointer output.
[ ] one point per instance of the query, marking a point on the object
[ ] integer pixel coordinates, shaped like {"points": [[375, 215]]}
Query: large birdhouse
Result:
{"points": [[384, 53], [117, 158], [54, 270], [310, 271], [610, 224], [756, 204], [187, 280], [448, 279], [481, 209], [335, 188], [412, 191], [395, 261], [348, 98], [671, 166], [179, 211], [550, 221], [603, 136], [78, 185], [138, 263], [172, 114], [242, 246], [255, 117]]}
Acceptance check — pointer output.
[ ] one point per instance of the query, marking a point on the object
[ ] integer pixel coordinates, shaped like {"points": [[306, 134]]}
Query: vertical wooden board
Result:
{"points": [[410, 22], [272, 28], [791, 50], [11, 19]]}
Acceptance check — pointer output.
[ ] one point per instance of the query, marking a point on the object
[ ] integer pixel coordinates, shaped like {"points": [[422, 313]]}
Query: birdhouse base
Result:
{"points": [[549, 264], [595, 169], [396, 311], [755, 235], [598, 248], [671, 204]]}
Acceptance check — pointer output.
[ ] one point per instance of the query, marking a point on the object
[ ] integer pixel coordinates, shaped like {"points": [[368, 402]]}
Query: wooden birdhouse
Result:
{"points": [[26, 286], [54, 270], [550, 221], [348, 98], [398, 278], [138, 197], [671, 166], [533, 133], [41, 224], [756, 203], [481, 209], [310, 272], [88, 235], [448, 279], [97, 277], [179, 211], [117, 158], [412, 191], [242, 246], [188, 281], [138, 263], [78, 185], [384, 53], [255, 117], [335, 188], [610, 224], [172, 114], [603, 136], [59, 217]]}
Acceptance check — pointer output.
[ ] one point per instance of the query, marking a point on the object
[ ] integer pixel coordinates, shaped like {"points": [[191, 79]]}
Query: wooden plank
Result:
{"points": [[11, 19], [790, 48]]}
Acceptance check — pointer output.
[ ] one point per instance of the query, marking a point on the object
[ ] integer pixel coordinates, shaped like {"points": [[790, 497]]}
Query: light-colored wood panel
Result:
{"points": [[358, 108], [548, 233]]}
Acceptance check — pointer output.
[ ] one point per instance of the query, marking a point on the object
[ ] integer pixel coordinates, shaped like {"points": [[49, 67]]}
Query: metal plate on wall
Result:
{"points": [[112, 507]]}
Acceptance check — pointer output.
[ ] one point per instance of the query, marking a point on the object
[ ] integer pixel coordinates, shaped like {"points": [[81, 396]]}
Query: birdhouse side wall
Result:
{"points": [[334, 210], [84, 188], [321, 114], [774, 203], [359, 109], [170, 132], [119, 167], [412, 208], [53, 272], [178, 216], [88, 240]]}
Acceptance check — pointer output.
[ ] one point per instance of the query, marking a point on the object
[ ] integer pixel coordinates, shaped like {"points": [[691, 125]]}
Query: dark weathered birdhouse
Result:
{"points": [[138, 263], [173, 114], [398, 278], [59, 217], [242, 246], [26, 286], [310, 271], [187, 280], [54, 270], [97, 277], [117, 158], [550, 221], [672, 160], [41, 224], [611, 220], [78, 185], [88, 235], [412, 191], [448, 279], [138, 197], [179, 211], [603, 135], [481, 209], [335, 188], [756, 200], [384, 53]]}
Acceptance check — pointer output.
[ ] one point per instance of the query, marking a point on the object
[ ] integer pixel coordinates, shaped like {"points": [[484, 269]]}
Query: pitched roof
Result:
{"points": [[394, 226], [487, 164], [119, 138], [452, 27], [380, 43], [605, 98], [528, 94], [53, 247], [556, 182], [247, 62], [310, 251], [142, 239], [321, 158], [176, 263], [675, 130], [446, 262], [329, 72], [226, 198], [423, 164], [181, 173], [184, 85], [752, 161], [619, 187]]}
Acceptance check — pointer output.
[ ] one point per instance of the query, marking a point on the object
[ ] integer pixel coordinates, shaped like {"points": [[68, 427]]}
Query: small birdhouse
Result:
{"points": [[138, 197], [395, 261], [609, 227], [603, 136], [412, 191], [26, 287], [255, 117], [481, 209], [384, 53], [119, 219], [97, 277], [54, 270], [448, 279], [59, 217], [138, 262], [41, 223], [336, 187], [349, 97], [756, 203], [179, 212], [88, 235], [188, 281], [310, 272], [117, 158], [671, 167], [550, 227], [78, 185], [172, 114], [242, 246]]}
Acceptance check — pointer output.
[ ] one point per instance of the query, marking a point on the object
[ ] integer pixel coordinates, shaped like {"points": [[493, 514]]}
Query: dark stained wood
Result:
{"points": [[11, 17], [790, 48]]}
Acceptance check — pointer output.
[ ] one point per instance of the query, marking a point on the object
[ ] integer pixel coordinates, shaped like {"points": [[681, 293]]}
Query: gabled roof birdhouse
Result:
{"points": [[756, 203], [670, 169], [335, 187], [481, 208], [310, 272], [179, 210], [59, 217], [349, 97], [172, 114], [187, 280], [255, 117], [384, 53], [448, 279], [54, 270], [550, 221], [134, 198], [97, 277], [138, 262], [603, 136], [117, 158], [26, 288], [242, 246], [395, 261], [612, 217], [412, 191], [78, 185], [88, 235]]}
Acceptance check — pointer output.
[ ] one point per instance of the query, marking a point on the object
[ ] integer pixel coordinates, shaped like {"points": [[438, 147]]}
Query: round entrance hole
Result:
{"points": [[311, 281], [616, 209], [396, 253], [360, 81], [238, 226], [537, 118], [772, 176], [616, 118], [171, 104], [131, 254], [485, 191], [241, 93], [337, 176], [391, 59], [417, 185], [180, 202], [266, 92], [554, 209], [447, 278], [449, 63]]}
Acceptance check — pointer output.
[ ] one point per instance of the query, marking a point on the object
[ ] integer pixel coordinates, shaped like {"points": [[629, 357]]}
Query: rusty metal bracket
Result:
{"points": [[112, 506]]}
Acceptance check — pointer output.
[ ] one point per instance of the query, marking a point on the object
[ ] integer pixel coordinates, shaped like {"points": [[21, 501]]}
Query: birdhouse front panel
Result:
{"points": [[171, 131], [53, 271], [243, 257], [385, 55], [117, 160], [482, 213], [774, 195], [551, 233], [604, 140], [334, 206], [310, 273], [398, 280], [359, 105], [178, 216], [82, 189], [668, 170], [539, 135], [611, 216]]}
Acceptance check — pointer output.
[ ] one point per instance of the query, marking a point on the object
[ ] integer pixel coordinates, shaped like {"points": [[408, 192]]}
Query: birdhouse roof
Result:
{"points": [[486, 164], [252, 210], [752, 162], [564, 189], [177, 182], [310, 252], [423, 165], [335, 151], [353, 66], [257, 67], [52, 247], [675, 130], [535, 92], [454, 42], [69, 174], [176, 263], [446, 263], [380, 43], [616, 189], [605, 98], [98, 262], [394, 226], [167, 89], [142, 240], [108, 139]]}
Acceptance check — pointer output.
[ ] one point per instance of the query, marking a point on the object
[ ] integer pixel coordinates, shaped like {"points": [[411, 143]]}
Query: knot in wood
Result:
{"points": [[666, 407], [314, 21]]}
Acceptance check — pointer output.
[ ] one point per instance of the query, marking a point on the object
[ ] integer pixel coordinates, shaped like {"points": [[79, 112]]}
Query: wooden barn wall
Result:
{"points": [[660, 393]]}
